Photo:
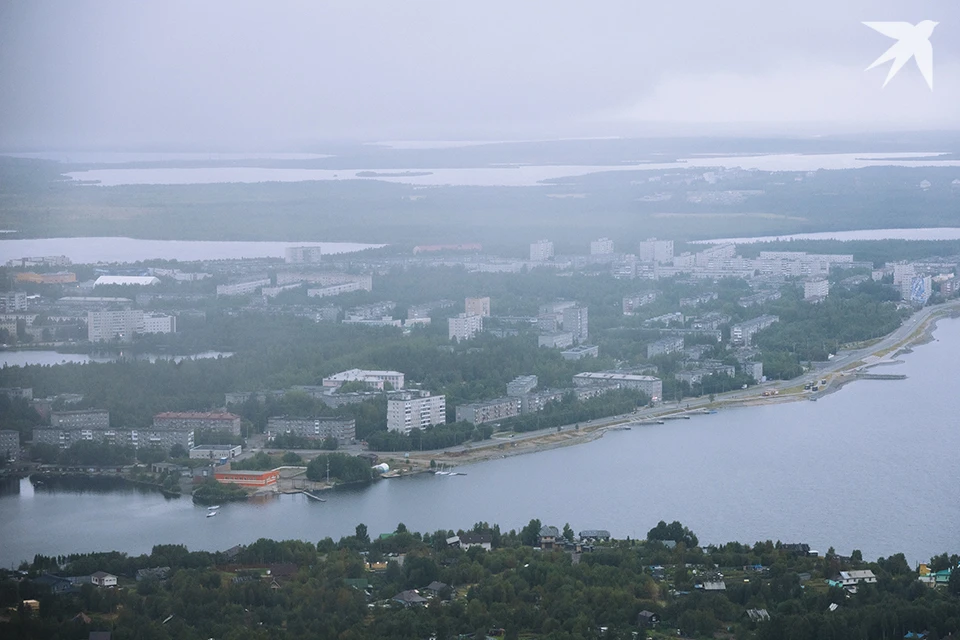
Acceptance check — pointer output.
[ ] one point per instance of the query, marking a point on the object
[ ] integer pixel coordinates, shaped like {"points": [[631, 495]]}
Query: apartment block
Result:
{"points": [[521, 385], [649, 385], [575, 322], [742, 333], [13, 301], [477, 306], [665, 346], [343, 429], [817, 288], [192, 420], [541, 250], [489, 410], [159, 323], [653, 250], [420, 411], [9, 445], [302, 255], [560, 340], [464, 326], [634, 302], [581, 351], [115, 324], [603, 246], [242, 288]]}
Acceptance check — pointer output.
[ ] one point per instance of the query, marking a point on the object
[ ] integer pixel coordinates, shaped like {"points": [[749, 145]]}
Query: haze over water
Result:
{"points": [[863, 468]]}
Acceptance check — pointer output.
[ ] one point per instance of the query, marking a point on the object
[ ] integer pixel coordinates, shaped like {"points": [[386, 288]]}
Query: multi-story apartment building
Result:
{"points": [[114, 324], [372, 379], [917, 289], [488, 410], [521, 385], [69, 427], [575, 322], [742, 333], [193, 420], [816, 288], [26, 393], [464, 326], [343, 429], [159, 323], [9, 445], [665, 346], [634, 302], [649, 385], [541, 250], [477, 306], [336, 289], [603, 246], [13, 301], [242, 288], [659, 251], [302, 255], [409, 411], [85, 419]]}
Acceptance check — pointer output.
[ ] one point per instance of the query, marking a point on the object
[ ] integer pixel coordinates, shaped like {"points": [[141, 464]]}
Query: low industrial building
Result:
{"points": [[257, 479], [216, 451], [581, 351], [372, 379]]}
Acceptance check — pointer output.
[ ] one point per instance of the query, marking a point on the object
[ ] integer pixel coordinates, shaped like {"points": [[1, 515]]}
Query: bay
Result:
{"points": [[870, 467]]}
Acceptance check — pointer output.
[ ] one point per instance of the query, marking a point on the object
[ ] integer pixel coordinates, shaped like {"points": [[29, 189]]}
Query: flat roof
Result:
{"points": [[214, 447]]}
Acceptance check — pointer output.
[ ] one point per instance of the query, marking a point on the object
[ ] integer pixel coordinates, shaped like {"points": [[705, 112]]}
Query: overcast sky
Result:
{"points": [[237, 74]]}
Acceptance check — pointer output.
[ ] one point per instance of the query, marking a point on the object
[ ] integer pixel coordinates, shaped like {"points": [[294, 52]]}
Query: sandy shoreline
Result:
{"points": [[570, 436]]}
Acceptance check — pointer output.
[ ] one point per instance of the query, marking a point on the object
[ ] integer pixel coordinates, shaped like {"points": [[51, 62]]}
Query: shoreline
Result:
{"points": [[570, 436]]}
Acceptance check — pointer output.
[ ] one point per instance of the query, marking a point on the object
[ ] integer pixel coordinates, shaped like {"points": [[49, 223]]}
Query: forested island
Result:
{"points": [[536, 582]]}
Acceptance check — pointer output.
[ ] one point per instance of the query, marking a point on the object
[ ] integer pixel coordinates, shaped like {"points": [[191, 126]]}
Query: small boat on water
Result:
{"points": [[210, 514], [313, 497], [213, 508]]}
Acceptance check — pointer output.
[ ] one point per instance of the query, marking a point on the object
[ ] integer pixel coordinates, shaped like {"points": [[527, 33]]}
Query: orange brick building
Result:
{"points": [[47, 278], [249, 478]]}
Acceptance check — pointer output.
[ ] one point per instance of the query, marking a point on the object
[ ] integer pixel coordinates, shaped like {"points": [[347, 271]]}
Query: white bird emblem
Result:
{"points": [[913, 41]]}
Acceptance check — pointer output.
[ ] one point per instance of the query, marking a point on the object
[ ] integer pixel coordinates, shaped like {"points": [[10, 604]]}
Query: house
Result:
{"points": [[103, 579], [482, 540], [798, 549], [56, 584], [853, 578], [758, 615], [548, 537], [453, 541], [434, 588], [595, 535], [714, 585], [156, 573], [409, 598], [647, 619]]}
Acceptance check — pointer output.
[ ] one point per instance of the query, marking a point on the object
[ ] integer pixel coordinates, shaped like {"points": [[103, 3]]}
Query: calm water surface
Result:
{"points": [[23, 358], [868, 468], [91, 250]]}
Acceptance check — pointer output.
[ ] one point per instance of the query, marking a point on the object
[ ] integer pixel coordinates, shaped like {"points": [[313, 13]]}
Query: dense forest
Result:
{"points": [[358, 587]]}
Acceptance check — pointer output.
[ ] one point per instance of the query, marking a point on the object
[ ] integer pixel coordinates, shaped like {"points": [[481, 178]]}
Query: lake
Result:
{"points": [[510, 175], [934, 233], [870, 467], [91, 250], [26, 357]]}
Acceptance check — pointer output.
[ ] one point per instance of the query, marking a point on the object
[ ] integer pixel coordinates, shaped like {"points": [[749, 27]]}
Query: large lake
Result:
{"points": [[20, 358], [504, 175], [90, 250], [932, 233], [871, 467]]}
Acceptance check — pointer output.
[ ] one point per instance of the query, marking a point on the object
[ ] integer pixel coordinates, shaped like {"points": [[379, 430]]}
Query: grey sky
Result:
{"points": [[235, 74]]}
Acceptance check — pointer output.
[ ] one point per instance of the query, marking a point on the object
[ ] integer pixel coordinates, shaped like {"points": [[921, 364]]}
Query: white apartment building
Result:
{"points": [[541, 250], [650, 385], [464, 326], [116, 324], [603, 246], [813, 289], [410, 410], [575, 323], [242, 288], [301, 255], [477, 306], [11, 301], [158, 323], [337, 289], [374, 379], [560, 340], [653, 250]]}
